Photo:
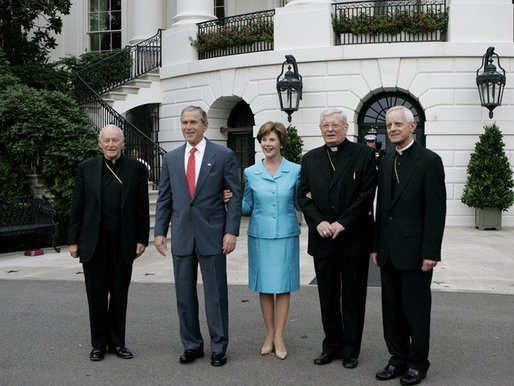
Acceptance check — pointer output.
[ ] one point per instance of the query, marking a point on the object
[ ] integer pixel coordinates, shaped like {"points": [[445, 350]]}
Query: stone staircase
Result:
{"points": [[132, 87]]}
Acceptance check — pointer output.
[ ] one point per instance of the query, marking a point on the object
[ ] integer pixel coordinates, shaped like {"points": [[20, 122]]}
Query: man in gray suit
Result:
{"points": [[203, 229]]}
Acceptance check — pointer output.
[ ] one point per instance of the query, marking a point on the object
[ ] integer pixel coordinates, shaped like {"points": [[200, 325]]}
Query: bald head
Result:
{"points": [[111, 140]]}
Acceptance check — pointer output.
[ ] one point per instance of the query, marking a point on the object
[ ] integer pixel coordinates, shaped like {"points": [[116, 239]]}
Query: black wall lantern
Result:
{"points": [[289, 88], [490, 82]]}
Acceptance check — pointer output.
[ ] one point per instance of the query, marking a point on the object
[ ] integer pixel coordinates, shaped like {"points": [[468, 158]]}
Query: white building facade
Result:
{"points": [[436, 79]]}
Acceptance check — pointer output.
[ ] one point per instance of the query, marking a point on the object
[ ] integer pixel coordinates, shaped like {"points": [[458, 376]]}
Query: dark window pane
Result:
{"points": [[94, 42], [93, 5], [103, 21], [105, 42], [115, 20], [116, 40], [115, 5], [93, 21], [104, 5]]}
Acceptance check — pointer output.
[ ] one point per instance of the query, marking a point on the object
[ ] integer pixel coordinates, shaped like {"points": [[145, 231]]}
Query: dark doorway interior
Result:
{"points": [[240, 135], [373, 113]]}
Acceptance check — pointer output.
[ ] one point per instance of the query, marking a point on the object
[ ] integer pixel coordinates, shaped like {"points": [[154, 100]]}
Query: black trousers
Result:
{"points": [[342, 288], [107, 278], [406, 305]]}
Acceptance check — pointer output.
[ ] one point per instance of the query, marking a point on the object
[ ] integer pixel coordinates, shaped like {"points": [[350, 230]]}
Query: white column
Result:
{"points": [[147, 18], [176, 44], [193, 11], [303, 24], [479, 21]]}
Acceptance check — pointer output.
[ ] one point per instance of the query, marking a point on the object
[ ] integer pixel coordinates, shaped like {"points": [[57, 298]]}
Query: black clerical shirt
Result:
{"points": [[111, 193], [400, 160]]}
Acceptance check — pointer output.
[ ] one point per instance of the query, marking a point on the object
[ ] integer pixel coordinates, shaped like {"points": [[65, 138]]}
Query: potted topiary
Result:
{"points": [[489, 184], [293, 149]]}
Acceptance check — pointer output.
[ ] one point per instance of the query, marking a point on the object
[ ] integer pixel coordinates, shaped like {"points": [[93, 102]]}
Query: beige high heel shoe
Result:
{"points": [[266, 350], [281, 354]]}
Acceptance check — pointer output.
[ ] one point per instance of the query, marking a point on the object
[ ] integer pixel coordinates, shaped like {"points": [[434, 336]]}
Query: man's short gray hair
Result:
{"points": [[341, 113], [409, 117], [111, 126], [203, 114]]}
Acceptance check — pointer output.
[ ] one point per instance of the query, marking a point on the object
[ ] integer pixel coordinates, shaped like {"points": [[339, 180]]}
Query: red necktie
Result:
{"points": [[190, 174]]}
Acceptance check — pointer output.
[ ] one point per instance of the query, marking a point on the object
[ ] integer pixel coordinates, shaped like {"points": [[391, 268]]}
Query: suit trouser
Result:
{"points": [[342, 288], [214, 277], [107, 278], [406, 305]]}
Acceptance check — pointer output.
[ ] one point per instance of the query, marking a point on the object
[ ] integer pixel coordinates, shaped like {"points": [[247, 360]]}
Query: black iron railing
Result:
{"points": [[241, 34], [137, 144], [128, 64], [381, 21], [132, 62]]}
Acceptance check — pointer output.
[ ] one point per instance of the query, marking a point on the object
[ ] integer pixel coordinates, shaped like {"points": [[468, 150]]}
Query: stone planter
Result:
{"points": [[349, 38], [488, 219], [36, 183]]}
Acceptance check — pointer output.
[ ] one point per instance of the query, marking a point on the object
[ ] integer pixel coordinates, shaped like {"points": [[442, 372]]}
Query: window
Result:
{"points": [[372, 116], [219, 8], [104, 25]]}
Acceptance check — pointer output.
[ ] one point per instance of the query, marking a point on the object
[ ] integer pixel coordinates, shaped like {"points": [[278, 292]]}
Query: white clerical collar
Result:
{"points": [[400, 151], [200, 146], [113, 160]]}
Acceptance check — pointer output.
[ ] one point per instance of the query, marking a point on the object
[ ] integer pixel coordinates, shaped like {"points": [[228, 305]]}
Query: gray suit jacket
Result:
{"points": [[203, 219]]}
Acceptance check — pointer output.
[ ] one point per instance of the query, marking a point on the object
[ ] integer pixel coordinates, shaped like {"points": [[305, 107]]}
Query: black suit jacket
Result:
{"points": [[346, 197], [410, 224], [85, 218]]}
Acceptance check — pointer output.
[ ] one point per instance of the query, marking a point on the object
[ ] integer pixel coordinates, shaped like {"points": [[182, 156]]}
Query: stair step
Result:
{"points": [[152, 76], [129, 89], [116, 95], [141, 83]]}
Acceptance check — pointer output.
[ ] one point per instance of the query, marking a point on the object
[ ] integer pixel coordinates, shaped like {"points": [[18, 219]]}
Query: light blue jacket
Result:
{"points": [[271, 200]]}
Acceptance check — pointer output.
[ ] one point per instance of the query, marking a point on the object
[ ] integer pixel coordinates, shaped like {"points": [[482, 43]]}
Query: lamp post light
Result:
{"points": [[490, 82], [289, 87]]}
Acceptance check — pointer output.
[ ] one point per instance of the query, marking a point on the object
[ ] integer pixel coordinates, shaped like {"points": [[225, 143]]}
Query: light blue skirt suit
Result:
{"points": [[273, 232]]}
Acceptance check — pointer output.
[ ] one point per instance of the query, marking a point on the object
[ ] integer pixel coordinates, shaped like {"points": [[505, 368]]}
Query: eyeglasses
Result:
{"points": [[114, 141], [333, 126]]}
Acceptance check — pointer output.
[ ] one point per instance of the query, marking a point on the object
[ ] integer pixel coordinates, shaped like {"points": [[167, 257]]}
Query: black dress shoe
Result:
{"points": [[121, 352], [97, 354], [351, 363], [390, 372], [190, 356], [218, 359], [413, 377], [325, 358]]}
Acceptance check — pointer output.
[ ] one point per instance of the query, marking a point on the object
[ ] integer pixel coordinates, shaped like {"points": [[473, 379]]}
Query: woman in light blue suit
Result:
{"points": [[270, 197]]}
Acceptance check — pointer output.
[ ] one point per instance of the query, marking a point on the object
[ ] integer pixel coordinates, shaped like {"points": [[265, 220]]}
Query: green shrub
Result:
{"points": [[489, 183], [43, 77], [50, 133], [12, 181], [226, 36], [293, 149], [111, 68]]}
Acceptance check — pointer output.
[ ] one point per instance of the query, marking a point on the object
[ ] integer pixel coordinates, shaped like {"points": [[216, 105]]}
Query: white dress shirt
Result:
{"points": [[200, 151]]}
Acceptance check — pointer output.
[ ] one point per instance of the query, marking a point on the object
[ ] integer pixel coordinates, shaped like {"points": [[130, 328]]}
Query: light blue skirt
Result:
{"points": [[274, 264]]}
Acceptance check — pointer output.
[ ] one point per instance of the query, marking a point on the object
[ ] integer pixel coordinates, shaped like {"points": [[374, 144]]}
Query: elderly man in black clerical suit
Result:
{"points": [[109, 227], [336, 192], [411, 213]]}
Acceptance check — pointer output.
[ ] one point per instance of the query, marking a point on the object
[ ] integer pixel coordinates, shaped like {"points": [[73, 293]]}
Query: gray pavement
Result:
{"points": [[44, 330]]}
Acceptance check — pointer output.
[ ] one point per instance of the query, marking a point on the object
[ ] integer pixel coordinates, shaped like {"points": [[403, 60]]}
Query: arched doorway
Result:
{"points": [[372, 115], [239, 128]]}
